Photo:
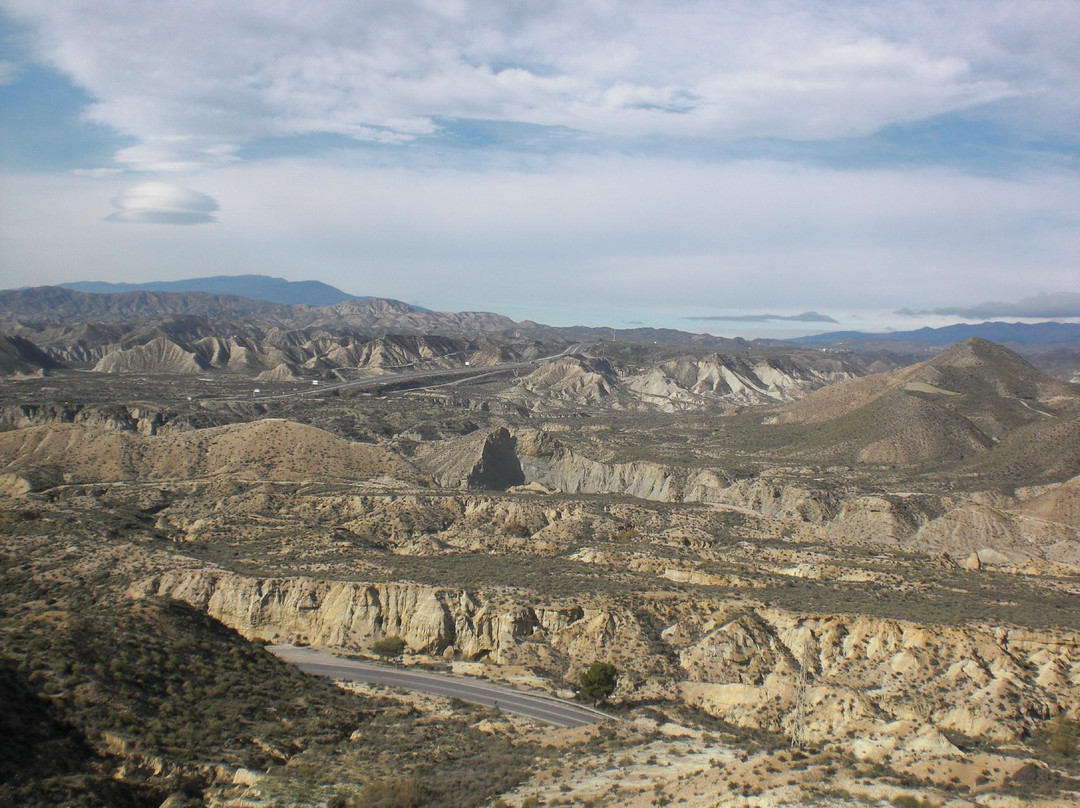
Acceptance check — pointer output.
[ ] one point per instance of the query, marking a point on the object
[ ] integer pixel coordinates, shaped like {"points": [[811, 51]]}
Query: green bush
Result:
{"points": [[389, 647]]}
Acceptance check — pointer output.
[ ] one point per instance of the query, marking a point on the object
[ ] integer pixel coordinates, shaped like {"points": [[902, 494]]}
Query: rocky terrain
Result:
{"points": [[818, 585]]}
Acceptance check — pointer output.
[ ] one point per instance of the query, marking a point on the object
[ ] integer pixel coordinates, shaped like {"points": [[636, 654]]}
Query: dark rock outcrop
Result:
{"points": [[498, 467]]}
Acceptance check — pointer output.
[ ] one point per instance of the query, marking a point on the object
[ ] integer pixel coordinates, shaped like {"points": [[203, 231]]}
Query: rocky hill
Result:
{"points": [[268, 449], [1051, 346], [198, 344], [1035, 523], [974, 399], [368, 336], [157, 356]]}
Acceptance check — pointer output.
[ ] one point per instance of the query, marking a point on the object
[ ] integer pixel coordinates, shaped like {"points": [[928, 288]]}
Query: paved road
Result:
{"points": [[413, 375], [534, 705]]}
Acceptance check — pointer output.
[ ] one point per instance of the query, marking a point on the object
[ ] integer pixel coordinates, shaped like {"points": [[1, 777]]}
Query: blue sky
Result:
{"points": [[564, 161]]}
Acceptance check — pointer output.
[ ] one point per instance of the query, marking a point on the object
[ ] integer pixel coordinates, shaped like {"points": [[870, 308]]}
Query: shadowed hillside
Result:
{"points": [[18, 355]]}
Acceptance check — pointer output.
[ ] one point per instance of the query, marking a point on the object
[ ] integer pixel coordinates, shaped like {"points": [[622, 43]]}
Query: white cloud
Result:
{"points": [[162, 203], [192, 82], [96, 172]]}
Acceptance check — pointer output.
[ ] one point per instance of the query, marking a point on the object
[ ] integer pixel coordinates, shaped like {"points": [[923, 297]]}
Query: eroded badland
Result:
{"points": [[824, 579]]}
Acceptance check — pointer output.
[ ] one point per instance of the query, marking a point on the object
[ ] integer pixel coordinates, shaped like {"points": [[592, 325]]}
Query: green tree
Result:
{"points": [[598, 682]]}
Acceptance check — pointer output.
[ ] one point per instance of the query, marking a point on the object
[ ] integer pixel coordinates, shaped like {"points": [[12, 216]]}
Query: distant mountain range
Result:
{"points": [[33, 308], [1013, 333], [216, 296], [253, 287], [57, 304], [36, 307], [255, 305]]}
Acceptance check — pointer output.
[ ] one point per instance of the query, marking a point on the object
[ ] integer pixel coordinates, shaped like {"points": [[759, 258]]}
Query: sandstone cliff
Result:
{"points": [[855, 677], [469, 625]]}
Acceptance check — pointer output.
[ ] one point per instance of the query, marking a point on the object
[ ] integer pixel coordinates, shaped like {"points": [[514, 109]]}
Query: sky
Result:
{"points": [[731, 167]]}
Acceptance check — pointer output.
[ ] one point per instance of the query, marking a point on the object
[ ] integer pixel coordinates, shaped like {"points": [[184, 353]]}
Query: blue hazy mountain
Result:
{"points": [[253, 287], [1014, 333]]}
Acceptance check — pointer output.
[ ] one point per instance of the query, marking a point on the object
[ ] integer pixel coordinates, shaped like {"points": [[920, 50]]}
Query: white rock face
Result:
{"points": [[430, 620], [889, 685], [927, 522], [160, 355], [676, 385], [692, 383], [870, 678]]}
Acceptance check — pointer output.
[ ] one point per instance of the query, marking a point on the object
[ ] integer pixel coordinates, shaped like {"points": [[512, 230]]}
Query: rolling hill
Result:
{"points": [[270, 449], [974, 400]]}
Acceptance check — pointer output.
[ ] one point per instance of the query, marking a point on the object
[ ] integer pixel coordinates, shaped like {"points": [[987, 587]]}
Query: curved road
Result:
{"points": [[534, 705]]}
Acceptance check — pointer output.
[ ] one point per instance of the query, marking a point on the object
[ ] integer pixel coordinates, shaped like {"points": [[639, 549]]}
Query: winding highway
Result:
{"points": [[533, 705], [413, 375]]}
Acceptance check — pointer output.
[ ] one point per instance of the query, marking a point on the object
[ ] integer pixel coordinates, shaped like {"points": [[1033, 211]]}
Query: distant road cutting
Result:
{"points": [[413, 375]]}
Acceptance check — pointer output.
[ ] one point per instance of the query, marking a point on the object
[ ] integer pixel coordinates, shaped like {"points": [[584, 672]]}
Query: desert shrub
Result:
{"points": [[911, 801], [389, 647], [394, 792], [1063, 735]]}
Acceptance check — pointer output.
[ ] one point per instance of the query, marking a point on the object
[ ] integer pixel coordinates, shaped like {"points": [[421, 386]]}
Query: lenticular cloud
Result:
{"points": [[162, 203]]}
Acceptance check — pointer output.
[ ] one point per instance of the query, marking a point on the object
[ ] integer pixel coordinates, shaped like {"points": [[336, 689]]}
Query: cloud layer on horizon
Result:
{"points": [[1052, 305], [805, 317], [214, 77]]}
